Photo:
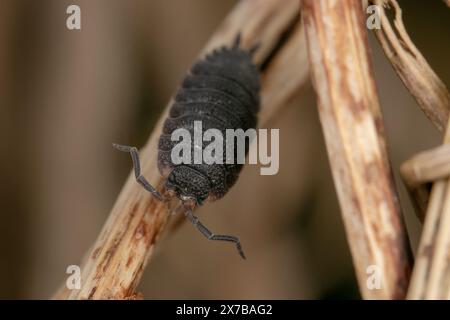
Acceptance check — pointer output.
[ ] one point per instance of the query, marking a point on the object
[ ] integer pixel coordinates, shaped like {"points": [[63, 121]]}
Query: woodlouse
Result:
{"points": [[222, 91]]}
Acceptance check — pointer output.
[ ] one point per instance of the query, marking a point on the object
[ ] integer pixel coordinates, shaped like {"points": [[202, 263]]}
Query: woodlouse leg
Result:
{"points": [[211, 236], [137, 169]]}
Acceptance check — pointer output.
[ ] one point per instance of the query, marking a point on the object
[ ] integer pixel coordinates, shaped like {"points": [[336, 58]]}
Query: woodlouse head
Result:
{"points": [[188, 184]]}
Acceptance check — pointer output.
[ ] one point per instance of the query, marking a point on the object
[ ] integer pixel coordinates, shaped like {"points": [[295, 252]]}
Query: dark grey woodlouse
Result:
{"points": [[222, 91]]}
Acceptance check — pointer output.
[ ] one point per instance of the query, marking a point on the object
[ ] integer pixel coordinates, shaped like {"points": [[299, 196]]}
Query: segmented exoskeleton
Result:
{"points": [[221, 91]]}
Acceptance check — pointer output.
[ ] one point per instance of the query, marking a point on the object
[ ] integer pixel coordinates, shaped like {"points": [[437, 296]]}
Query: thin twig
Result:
{"points": [[412, 68], [126, 243], [351, 121], [422, 169], [431, 274]]}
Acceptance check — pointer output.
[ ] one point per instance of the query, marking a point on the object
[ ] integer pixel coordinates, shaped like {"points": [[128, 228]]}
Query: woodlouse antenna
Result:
{"points": [[211, 236], [137, 170], [147, 186]]}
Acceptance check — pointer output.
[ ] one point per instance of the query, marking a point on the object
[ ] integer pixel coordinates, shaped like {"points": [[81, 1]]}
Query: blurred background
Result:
{"points": [[65, 96]]}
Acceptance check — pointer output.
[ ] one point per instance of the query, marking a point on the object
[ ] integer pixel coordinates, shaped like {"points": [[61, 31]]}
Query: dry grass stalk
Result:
{"points": [[115, 264], [351, 120], [415, 72], [422, 169], [431, 274]]}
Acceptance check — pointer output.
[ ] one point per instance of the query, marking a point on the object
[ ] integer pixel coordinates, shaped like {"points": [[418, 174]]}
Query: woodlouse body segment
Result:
{"points": [[222, 92]]}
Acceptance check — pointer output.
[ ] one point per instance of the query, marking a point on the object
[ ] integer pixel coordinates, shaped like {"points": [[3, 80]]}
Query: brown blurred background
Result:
{"points": [[65, 96]]}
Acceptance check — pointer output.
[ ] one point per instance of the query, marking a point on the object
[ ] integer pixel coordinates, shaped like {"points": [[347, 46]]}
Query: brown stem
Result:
{"points": [[431, 275], [354, 134], [412, 68]]}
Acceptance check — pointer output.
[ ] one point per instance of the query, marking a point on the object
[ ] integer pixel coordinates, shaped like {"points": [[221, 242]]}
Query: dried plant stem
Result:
{"points": [[351, 121], [431, 274], [422, 169], [412, 68], [126, 243]]}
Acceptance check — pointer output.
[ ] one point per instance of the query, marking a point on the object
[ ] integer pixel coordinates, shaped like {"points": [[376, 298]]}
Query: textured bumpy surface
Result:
{"points": [[222, 91]]}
